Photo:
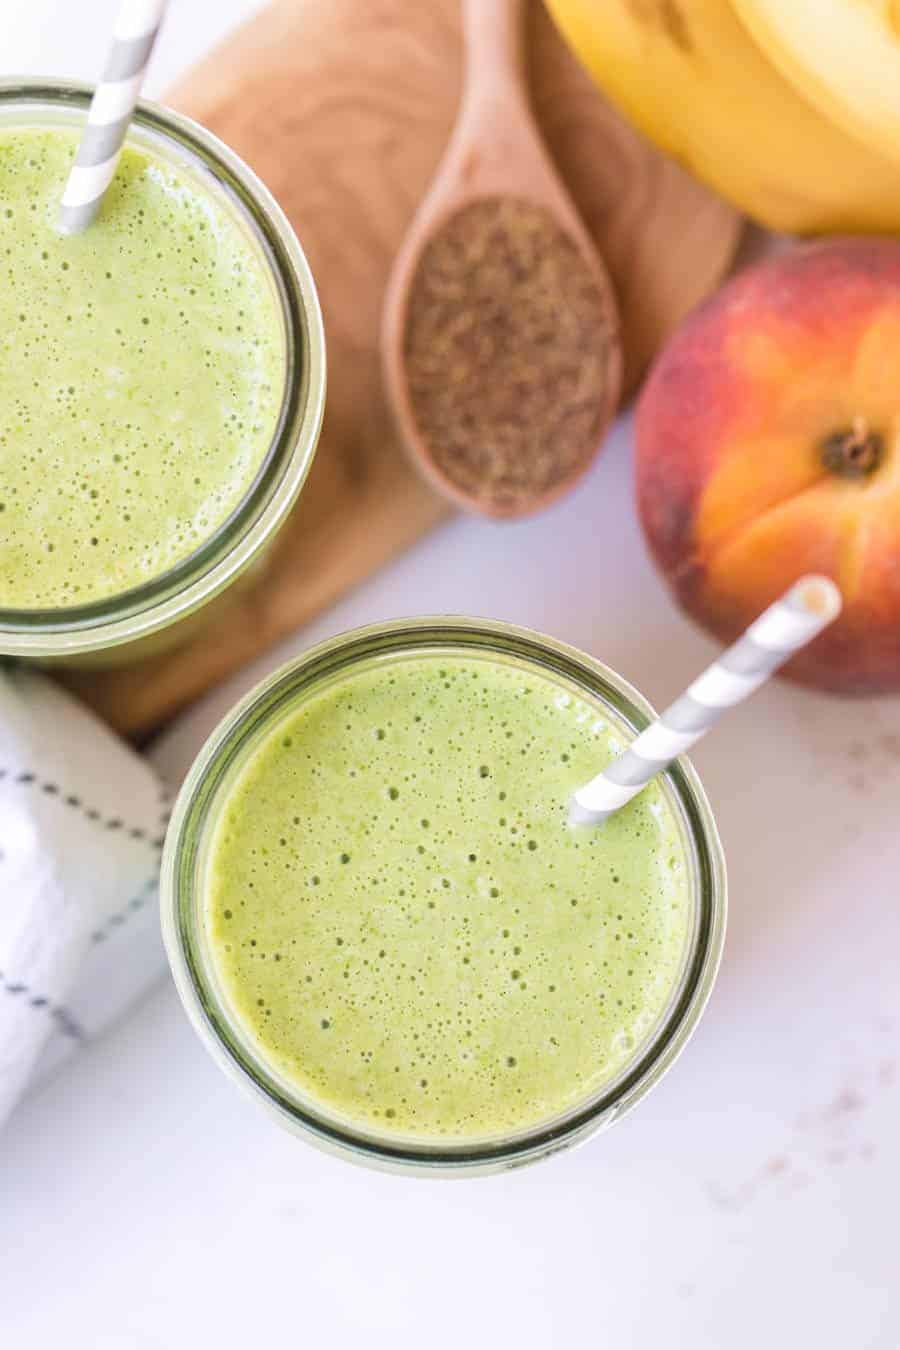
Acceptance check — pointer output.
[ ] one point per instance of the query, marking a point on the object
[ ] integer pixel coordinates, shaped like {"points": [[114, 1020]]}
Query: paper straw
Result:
{"points": [[110, 112], [793, 621]]}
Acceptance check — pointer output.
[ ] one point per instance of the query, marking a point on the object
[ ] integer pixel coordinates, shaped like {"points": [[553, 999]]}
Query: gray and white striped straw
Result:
{"points": [[110, 112], [793, 621]]}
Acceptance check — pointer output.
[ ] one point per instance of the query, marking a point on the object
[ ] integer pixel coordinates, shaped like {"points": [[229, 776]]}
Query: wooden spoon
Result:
{"points": [[495, 151]]}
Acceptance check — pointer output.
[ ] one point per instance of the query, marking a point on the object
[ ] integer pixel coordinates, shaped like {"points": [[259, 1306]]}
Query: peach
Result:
{"points": [[768, 445]]}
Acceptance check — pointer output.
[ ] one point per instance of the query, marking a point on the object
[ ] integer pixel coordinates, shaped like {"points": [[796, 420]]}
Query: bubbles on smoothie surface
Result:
{"points": [[397, 863], [142, 375]]}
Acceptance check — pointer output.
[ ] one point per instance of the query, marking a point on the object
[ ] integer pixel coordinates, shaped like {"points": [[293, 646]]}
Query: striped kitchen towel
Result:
{"points": [[81, 823]]}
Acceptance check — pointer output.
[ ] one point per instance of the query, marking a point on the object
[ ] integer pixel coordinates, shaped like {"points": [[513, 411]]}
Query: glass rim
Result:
{"points": [[196, 802], [160, 602]]}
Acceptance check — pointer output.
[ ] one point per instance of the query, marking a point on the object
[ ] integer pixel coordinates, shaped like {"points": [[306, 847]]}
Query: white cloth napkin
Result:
{"points": [[81, 823]]}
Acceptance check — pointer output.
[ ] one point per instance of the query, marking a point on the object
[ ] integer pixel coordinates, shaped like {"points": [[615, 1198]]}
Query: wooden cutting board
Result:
{"points": [[343, 107]]}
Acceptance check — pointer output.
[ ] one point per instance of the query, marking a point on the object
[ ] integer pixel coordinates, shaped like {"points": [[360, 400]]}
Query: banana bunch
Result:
{"points": [[789, 108]]}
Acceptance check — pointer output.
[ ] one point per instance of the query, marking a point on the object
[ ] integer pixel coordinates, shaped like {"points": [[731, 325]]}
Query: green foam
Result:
{"points": [[405, 923], [141, 369]]}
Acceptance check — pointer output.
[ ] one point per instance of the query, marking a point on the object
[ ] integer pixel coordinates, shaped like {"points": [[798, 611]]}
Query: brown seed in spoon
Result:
{"points": [[507, 354]]}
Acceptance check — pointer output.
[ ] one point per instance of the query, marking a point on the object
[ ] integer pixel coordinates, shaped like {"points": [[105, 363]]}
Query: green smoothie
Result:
{"points": [[404, 922], [141, 372]]}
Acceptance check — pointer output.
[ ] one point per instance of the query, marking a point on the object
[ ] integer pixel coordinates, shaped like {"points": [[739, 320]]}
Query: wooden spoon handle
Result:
{"points": [[494, 36], [495, 148]]}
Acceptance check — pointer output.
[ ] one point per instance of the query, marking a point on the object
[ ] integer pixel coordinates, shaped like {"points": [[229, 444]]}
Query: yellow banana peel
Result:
{"points": [[691, 76], [842, 55]]}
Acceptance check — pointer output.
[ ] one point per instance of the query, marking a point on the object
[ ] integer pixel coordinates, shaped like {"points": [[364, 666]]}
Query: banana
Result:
{"points": [[843, 55], [688, 73]]}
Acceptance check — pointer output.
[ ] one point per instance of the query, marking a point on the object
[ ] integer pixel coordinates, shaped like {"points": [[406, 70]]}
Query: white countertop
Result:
{"points": [[750, 1201]]}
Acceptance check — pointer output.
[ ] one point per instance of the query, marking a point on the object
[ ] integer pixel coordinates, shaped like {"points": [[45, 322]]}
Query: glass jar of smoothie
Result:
{"points": [[383, 926], [163, 381]]}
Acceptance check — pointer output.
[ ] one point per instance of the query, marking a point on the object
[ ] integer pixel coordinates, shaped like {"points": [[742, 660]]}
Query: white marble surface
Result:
{"points": [[750, 1201]]}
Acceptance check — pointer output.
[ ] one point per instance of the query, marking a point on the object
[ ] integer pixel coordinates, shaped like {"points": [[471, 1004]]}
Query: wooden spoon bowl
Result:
{"points": [[495, 151]]}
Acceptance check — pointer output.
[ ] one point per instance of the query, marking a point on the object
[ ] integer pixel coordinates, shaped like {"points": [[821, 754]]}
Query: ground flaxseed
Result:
{"points": [[507, 353]]}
